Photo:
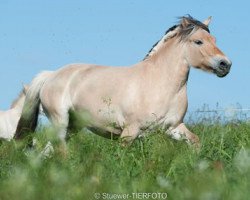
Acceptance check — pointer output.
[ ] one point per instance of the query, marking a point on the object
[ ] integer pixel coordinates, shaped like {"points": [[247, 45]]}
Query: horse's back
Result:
{"points": [[73, 75], [76, 78]]}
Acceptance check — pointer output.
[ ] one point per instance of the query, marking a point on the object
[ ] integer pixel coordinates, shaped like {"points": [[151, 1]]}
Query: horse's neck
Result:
{"points": [[173, 70]]}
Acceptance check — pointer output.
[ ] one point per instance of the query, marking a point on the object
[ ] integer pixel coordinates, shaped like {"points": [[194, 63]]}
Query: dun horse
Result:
{"points": [[123, 101]]}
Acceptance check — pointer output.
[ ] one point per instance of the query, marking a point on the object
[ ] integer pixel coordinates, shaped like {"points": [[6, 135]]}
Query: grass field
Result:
{"points": [[154, 164]]}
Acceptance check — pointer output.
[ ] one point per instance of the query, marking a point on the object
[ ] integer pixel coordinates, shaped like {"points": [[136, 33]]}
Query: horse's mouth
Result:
{"points": [[218, 71], [221, 75], [221, 72]]}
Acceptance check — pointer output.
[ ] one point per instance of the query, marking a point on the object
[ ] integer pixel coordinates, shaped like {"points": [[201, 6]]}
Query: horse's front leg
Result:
{"points": [[129, 133], [181, 132]]}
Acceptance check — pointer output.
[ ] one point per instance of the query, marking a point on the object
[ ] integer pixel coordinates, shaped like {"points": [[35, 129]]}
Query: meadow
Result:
{"points": [[95, 166]]}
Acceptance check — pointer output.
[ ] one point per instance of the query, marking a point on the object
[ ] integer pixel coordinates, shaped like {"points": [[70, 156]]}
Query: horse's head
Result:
{"points": [[200, 47]]}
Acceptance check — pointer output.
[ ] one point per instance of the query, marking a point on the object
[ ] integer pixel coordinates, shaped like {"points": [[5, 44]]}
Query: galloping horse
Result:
{"points": [[123, 101]]}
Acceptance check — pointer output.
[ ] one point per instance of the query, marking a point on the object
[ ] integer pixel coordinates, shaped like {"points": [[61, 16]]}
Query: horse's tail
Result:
{"points": [[29, 117]]}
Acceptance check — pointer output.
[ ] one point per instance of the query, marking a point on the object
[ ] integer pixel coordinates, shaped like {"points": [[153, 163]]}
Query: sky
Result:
{"points": [[46, 35]]}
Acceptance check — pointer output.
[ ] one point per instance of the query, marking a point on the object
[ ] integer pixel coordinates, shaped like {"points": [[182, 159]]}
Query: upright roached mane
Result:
{"points": [[126, 100], [169, 34]]}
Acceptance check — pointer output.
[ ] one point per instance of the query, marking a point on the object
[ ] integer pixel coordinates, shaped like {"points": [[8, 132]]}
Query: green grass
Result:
{"points": [[156, 163]]}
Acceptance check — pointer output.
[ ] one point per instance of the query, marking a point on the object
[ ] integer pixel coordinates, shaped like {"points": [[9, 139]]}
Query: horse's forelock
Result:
{"points": [[191, 26]]}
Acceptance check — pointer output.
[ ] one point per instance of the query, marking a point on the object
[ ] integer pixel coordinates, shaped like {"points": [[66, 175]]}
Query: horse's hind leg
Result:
{"points": [[60, 122], [74, 124]]}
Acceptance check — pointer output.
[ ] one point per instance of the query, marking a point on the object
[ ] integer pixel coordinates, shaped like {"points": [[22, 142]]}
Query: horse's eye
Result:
{"points": [[198, 42]]}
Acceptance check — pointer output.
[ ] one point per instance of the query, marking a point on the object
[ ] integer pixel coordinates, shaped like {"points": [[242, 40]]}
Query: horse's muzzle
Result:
{"points": [[222, 67]]}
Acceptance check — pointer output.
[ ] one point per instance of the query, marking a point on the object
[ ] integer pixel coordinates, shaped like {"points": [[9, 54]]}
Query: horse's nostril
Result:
{"points": [[223, 64]]}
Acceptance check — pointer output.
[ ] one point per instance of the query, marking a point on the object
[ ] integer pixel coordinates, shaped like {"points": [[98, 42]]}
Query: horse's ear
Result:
{"points": [[184, 22], [207, 21]]}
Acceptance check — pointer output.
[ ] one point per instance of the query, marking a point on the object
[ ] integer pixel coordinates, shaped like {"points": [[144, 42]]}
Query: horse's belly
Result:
{"points": [[108, 120]]}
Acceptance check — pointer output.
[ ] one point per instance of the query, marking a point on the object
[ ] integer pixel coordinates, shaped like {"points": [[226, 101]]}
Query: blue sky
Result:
{"points": [[45, 35]]}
